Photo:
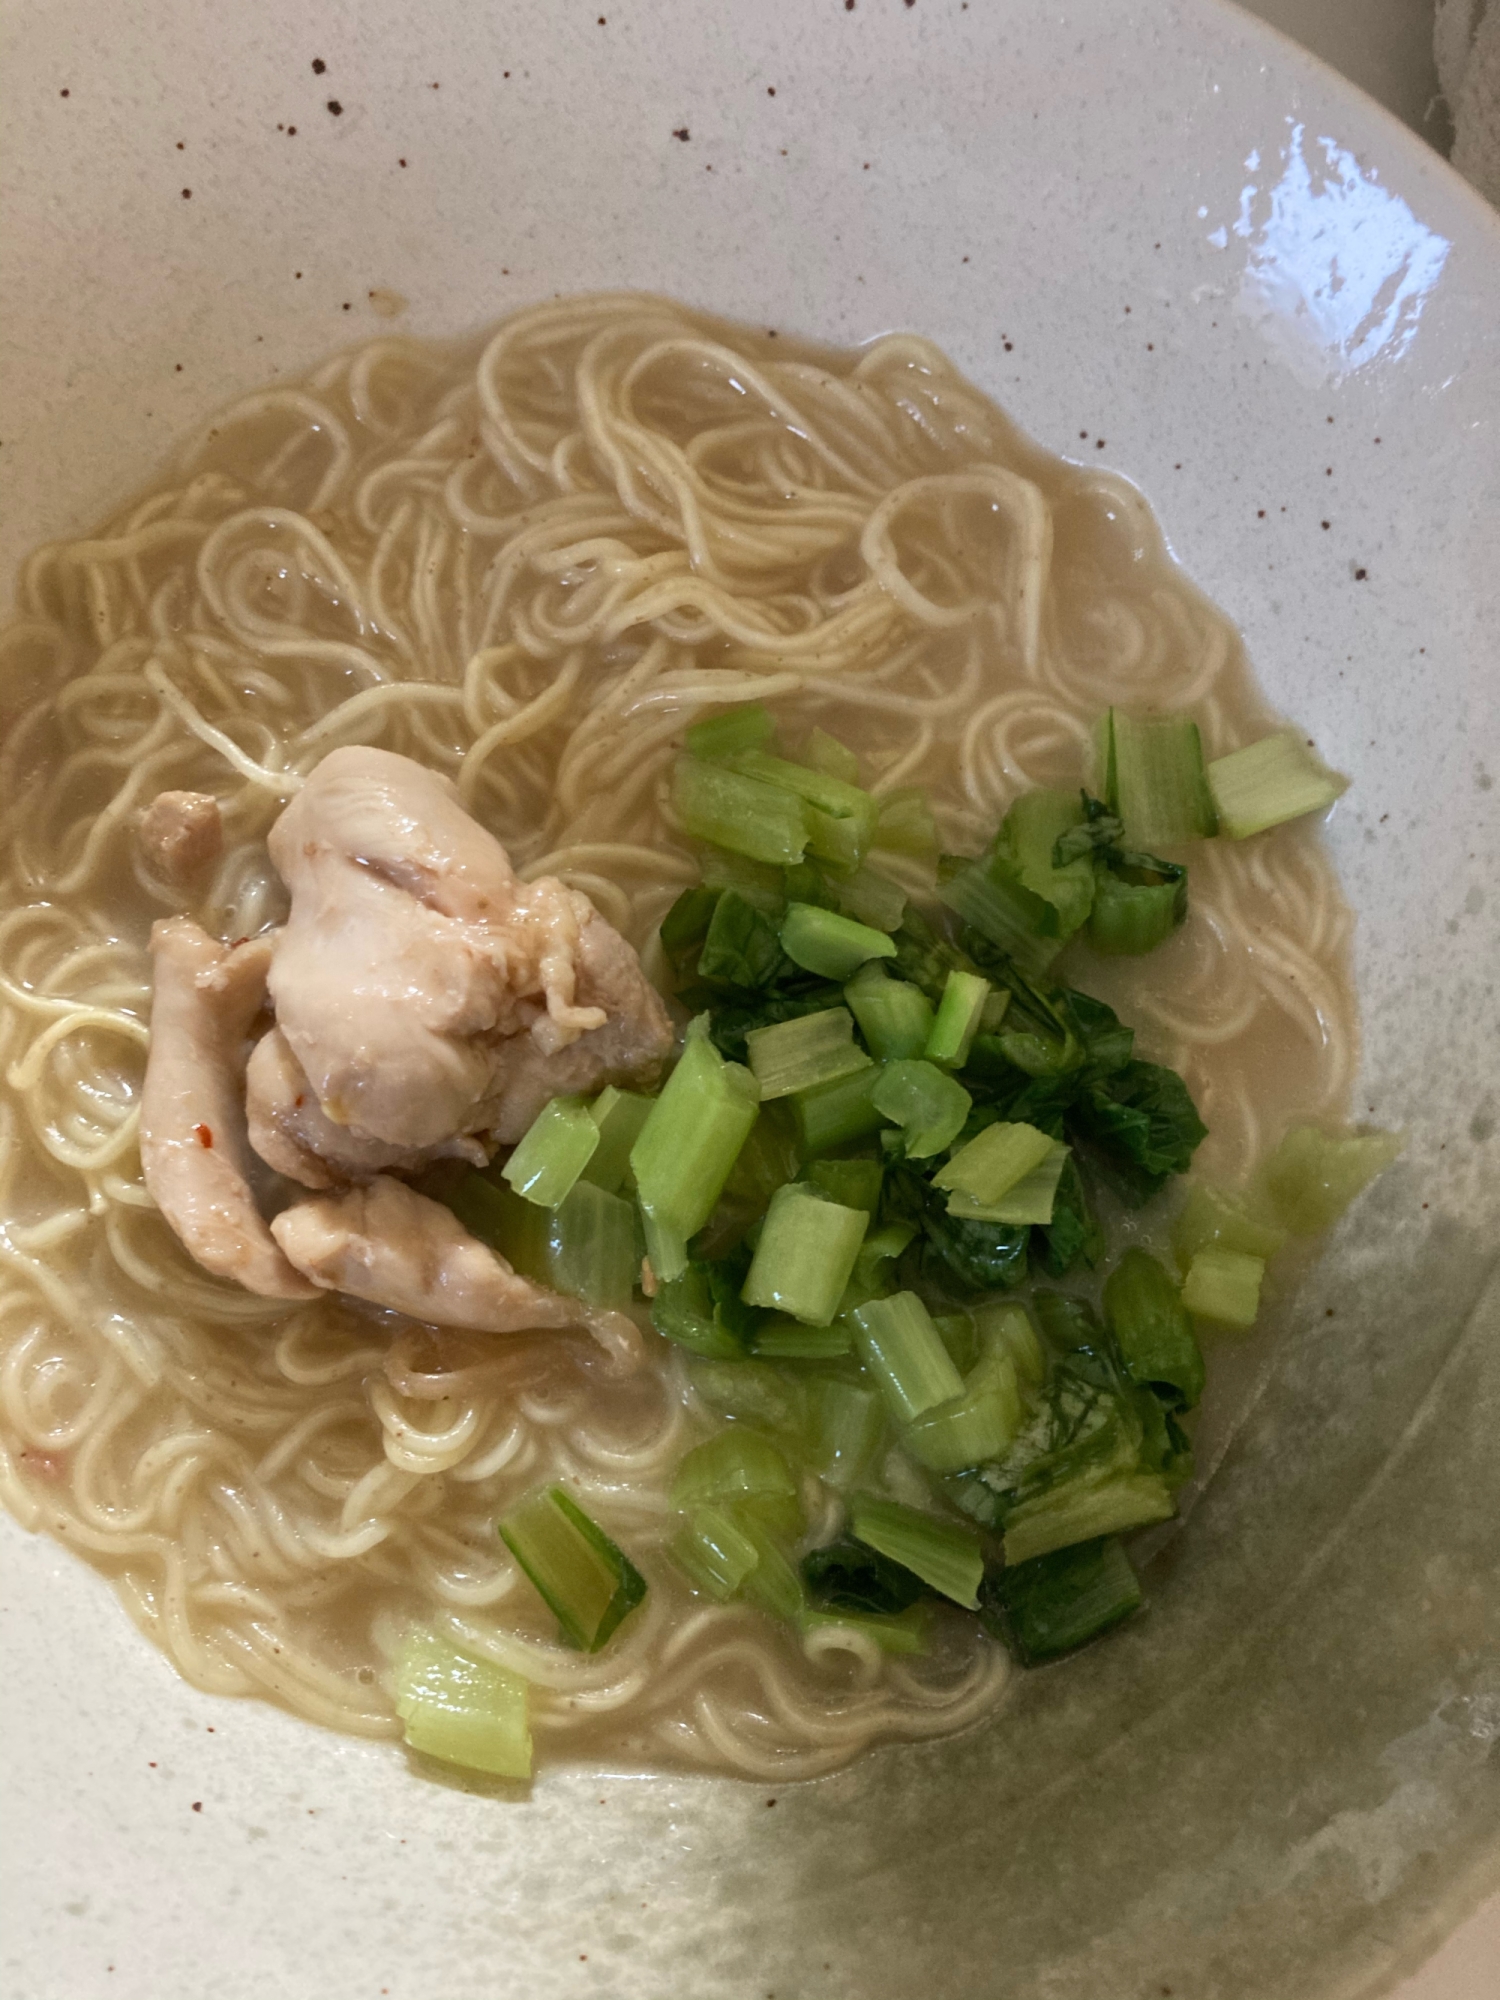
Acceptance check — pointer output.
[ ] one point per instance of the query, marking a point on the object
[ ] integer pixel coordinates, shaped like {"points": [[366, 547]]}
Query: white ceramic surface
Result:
{"points": [[1158, 235]]}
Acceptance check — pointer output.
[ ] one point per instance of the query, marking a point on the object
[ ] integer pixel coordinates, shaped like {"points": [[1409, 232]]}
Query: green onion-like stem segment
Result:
{"points": [[1211, 1215], [805, 1254], [894, 1017], [929, 1106], [738, 1467], [1136, 908], [619, 1115], [1312, 1178], [1159, 788], [587, 1583], [991, 1164], [1224, 1285], [720, 805], [975, 1426], [688, 1145], [906, 825], [461, 1710], [555, 1149], [800, 1054], [834, 946], [713, 1551], [1153, 1329], [1266, 783], [904, 1352], [846, 1425], [946, 1556], [1082, 1509], [730, 730], [841, 817], [839, 1113], [958, 1017], [1000, 910]]}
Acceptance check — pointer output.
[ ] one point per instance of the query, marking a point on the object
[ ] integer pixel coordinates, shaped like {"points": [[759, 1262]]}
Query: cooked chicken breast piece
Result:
{"points": [[420, 985], [181, 836], [390, 1245], [291, 1132], [194, 1150]]}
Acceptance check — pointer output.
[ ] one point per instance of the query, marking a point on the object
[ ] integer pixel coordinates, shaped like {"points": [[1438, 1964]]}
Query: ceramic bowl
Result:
{"points": [[1147, 222]]}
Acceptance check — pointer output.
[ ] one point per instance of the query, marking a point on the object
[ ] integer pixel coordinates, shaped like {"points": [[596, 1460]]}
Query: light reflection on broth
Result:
{"points": [[530, 562]]}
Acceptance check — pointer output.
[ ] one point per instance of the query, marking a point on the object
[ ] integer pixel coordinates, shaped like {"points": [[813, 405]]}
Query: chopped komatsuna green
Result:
{"points": [[928, 1105], [759, 882], [825, 753], [855, 1183], [587, 1583], [975, 1426], [838, 1113], [1312, 1178], [619, 1116], [741, 947], [1158, 784], [1025, 850], [872, 898], [790, 1340], [590, 1248], [739, 1468], [1082, 1509], [894, 1017], [992, 1162], [905, 825], [1210, 1215], [773, 1586], [721, 805], [713, 1551], [904, 1352], [845, 1428], [753, 1392], [1142, 1125], [1224, 1285], [841, 817], [555, 1149], [585, 1246], [850, 1576], [901, 1632], [1153, 1329], [462, 1710], [729, 730], [960, 1336], [805, 1255], [1031, 1201], [686, 1311], [831, 945], [1138, 903], [958, 1017], [870, 1278], [800, 1054], [1266, 783], [1001, 911], [768, 1159], [944, 1555], [959, 1255], [1008, 1329], [1055, 1602], [688, 1145]]}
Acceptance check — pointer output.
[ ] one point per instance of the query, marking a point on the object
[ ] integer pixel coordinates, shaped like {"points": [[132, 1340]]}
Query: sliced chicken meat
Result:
{"points": [[425, 992], [392, 1246], [292, 1132], [181, 836], [194, 1150]]}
